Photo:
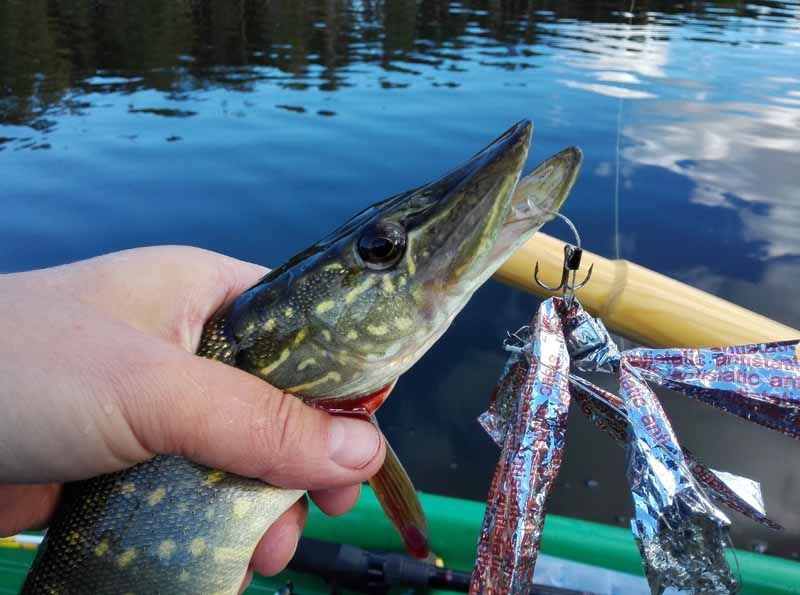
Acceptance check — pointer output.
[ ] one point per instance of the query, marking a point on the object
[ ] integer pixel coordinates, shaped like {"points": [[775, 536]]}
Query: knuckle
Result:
{"points": [[281, 435]]}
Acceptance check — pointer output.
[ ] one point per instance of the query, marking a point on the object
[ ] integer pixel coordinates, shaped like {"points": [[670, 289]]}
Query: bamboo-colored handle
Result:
{"points": [[641, 304]]}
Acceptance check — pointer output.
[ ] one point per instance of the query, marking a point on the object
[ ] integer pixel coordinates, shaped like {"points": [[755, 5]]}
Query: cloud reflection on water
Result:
{"points": [[731, 152], [735, 153]]}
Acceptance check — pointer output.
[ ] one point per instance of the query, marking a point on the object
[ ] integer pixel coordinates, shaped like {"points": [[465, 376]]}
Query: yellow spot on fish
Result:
{"points": [[388, 284], [156, 496], [184, 576], [127, 488], [359, 289], [352, 335], [126, 557], [215, 476], [271, 368], [300, 337], [269, 325], [101, 549], [334, 266], [305, 363], [288, 312], [226, 554], [402, 281], [403, 323], [198, 546], [240, 507], [325, 306], [327, 334], [377, 329], [166, 548], [412, 266], [329, 377]]}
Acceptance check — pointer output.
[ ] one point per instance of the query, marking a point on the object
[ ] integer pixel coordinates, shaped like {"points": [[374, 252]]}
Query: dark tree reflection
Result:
{"points": [[49, 48]]}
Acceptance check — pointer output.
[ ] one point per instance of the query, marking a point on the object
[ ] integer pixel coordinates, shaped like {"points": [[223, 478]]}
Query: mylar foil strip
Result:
{"points": [[680, 533], [589, 343], [531, 454], [759, 382], [607, 411], [503, 402]]}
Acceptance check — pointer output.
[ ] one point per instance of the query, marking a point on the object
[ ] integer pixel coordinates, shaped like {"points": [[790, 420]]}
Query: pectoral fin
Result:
{"points": [[391, 484], [398, 498]]}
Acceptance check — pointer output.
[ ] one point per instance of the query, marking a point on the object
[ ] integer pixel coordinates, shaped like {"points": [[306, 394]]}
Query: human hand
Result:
{"points": [[99, 374]]}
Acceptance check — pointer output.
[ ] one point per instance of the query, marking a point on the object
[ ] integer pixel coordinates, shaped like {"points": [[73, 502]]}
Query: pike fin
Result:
{"points": [[391, 484], [399, 501]]}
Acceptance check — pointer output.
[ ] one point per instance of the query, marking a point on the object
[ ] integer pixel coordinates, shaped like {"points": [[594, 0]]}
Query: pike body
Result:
{"points": [[336, 325]]}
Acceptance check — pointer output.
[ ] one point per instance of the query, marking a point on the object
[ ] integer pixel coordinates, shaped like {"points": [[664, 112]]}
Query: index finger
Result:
{"points": [[164, 291]]}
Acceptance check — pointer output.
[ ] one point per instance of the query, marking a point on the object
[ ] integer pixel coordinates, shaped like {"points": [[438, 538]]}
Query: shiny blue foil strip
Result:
{"points": [[532, 448], [607, 411], [503, 402], [680, 533], [759, 382]]}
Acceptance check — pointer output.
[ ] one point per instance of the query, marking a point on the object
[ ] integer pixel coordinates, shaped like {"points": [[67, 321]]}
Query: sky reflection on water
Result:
{"points": [[253, 128]]}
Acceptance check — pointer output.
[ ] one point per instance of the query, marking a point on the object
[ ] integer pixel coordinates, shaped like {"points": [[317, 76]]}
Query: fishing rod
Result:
{"points": [[356, 569], [366, 571]]}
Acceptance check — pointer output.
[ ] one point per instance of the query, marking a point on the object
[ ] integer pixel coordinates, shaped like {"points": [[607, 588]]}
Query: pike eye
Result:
{"points": [[382, 245]]}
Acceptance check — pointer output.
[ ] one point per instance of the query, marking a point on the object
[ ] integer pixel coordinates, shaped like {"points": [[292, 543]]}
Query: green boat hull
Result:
{"points": [[454, 526]]}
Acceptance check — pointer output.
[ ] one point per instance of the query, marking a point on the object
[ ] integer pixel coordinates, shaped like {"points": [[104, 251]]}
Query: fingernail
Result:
{"points": [[353, 443]]}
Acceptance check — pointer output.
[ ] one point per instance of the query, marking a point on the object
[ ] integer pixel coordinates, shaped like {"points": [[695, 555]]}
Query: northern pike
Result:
{"points": [[336, 325]]}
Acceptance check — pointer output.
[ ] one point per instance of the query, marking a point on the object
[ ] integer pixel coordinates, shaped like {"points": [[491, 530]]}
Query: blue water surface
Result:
{"points": [[253, 128]]}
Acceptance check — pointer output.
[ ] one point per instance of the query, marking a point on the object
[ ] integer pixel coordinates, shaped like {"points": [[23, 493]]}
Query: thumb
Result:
{"points": [[222, 417]]}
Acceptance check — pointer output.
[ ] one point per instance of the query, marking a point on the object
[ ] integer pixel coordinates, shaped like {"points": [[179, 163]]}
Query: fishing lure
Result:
{"points": [[680, 531]]}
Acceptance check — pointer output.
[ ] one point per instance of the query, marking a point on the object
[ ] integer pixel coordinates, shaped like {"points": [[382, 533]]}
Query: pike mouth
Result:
{"points": [[471, 205], [537, 197]]}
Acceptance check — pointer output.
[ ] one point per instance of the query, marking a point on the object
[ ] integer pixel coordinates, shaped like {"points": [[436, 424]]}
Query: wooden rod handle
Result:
{"points": [[641, 304]]}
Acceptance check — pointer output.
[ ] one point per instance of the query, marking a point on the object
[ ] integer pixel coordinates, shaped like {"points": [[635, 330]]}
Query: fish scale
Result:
{"points": [[168, 525], [171, 514]]}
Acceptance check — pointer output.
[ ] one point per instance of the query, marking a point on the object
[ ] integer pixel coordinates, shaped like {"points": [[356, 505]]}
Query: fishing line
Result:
{"points": [[622, 341], [617, 156], [616, 180], [735, 559]]}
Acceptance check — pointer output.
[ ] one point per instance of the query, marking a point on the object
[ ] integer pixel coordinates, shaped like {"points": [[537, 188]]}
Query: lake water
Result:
{"points": [[253, 128]]}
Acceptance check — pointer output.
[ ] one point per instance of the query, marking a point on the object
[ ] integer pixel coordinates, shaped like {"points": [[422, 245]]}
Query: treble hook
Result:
{"points": [[572, 262]]}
